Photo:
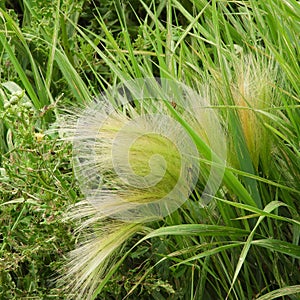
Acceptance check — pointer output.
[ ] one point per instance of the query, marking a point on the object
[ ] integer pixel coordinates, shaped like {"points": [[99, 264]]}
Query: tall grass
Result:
{"points": [[243, 58]]}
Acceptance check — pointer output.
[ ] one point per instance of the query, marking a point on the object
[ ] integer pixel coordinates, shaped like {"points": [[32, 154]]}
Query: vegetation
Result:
{"points": [[242, 57]]}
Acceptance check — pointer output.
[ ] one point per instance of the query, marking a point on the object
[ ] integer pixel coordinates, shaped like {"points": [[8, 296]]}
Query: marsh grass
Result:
{"points": [[244, 57]]}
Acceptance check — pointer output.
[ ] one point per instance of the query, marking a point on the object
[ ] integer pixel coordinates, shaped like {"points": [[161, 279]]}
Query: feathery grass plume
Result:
{"points": [[253, 91], [98, 248], [252, 81], [137, 161]]}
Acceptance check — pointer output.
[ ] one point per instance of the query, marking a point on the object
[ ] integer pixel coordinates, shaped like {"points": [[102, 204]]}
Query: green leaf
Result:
{"points": [[279, 246], [285, 291], [197, 229]]}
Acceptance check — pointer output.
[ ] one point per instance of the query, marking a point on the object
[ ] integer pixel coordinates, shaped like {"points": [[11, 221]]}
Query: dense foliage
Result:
{"points": [[243, 56]]}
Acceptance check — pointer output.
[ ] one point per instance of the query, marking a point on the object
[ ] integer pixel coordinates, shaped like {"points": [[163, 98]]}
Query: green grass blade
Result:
{"points": [[285, 291], [76, 84], [271, 206], [279, 246]]}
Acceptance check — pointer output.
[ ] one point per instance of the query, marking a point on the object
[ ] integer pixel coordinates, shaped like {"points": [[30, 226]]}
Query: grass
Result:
{"points": [[242, 59]]}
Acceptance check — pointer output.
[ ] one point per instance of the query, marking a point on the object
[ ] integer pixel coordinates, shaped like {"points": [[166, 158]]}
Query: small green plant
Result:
{"points": [[35, 185]]}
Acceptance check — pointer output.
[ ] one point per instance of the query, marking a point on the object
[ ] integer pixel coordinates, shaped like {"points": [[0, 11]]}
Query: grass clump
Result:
{"points": [[243, 59]]}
